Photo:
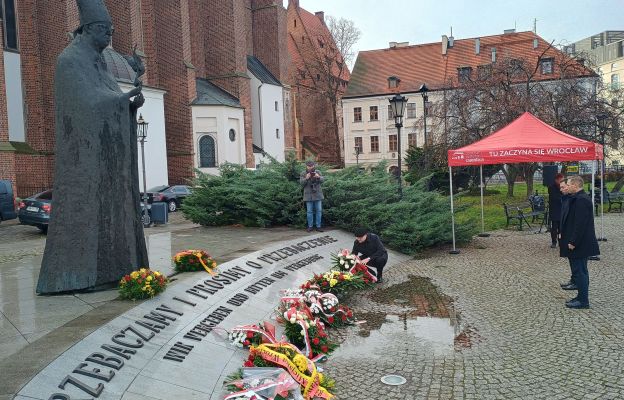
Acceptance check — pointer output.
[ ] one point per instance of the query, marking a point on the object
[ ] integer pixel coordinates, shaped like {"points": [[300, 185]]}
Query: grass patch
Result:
{"points": [[494, 214]]}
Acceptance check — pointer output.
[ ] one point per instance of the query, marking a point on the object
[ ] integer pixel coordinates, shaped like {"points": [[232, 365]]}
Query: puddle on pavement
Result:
{"points": [[431, 334], [412, 313]]}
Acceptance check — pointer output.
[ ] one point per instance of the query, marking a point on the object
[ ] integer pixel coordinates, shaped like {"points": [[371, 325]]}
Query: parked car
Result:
{"points": [[172, 195], [7, 201], [36, 210]]}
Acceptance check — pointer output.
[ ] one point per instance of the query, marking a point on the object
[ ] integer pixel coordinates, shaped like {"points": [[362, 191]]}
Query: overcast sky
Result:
{"points": [[424, 21]]}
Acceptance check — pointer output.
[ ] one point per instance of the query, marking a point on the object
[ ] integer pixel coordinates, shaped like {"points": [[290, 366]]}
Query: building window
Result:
{"points": [[276, 106], [464, 74], [411, 140], [615, 82], [411, 110], [295, 23], [9, 24], [277, 134], [393, 144], [374, 144], [390, 112], [321, 44], [357, 114], [393, 82], [207, 152], [547, 66], [359, 145], [232, 135], [374, 113], [318, 77]]}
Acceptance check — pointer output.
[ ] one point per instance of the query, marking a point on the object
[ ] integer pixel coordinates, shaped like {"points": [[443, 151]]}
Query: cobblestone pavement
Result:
{"points": [[513, 337]]}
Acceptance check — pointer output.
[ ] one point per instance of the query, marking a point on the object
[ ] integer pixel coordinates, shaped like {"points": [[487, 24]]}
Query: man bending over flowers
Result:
{"points": [[368, 245]]}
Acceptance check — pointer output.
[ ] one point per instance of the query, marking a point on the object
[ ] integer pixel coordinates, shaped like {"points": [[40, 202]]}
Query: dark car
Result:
{"points": [[7, 201], [172, 195], [36, 210]]}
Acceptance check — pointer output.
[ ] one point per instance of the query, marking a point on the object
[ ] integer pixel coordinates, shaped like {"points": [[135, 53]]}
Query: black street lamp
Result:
{"points": [[423, 91], [603, 122], [142, 136], [397, 103]]}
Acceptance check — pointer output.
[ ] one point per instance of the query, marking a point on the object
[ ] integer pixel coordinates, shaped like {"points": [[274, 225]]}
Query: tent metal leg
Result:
{"points": [[602, 237], [454, 250], [482, 234]]}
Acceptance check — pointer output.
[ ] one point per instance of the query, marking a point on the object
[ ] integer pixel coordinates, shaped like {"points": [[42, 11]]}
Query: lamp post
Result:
{"points": [[142, 136], [358, 151], [423, 91], [397, 104], [603, 120]]}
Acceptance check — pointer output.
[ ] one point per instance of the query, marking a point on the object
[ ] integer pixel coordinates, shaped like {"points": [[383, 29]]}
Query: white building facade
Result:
{"points": [[267, 108]]}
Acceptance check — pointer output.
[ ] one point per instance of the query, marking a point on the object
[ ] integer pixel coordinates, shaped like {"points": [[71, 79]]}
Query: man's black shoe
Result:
{"points": [[572, 300], [380, 280], [319, 230], [309, 229], [570, 286], [566, 283], [553, 246], [577, 305]]}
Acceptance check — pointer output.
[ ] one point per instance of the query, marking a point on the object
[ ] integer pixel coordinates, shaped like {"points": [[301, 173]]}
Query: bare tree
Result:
{"points": [[483, 101], [327, 66]]}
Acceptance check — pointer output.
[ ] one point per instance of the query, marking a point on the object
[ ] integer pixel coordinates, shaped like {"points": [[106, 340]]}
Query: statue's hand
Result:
{"points": [[136, 63], [135, 91], [138, 101]]}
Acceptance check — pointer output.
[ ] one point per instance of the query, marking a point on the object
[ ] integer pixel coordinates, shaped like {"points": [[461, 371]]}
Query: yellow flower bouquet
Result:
{"points": [[142, 284], [194, 260]]}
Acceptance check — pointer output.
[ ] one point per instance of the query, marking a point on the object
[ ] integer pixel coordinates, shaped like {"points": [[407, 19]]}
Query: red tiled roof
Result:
{"points": [[425, 63], [315, 29]]}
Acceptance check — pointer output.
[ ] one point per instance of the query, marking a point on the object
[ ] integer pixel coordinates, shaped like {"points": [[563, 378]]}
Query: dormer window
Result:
{"points": [[546, 65], [393, 82], [464, 74]]}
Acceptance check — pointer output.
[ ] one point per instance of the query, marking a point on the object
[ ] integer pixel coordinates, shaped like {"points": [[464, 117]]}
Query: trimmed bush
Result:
{"points": [[272, 196]]}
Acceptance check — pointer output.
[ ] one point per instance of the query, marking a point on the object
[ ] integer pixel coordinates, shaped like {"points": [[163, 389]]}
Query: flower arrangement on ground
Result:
{"points": [[306, 332], [301, 368], [194, 260], [325, 306], [262, 383], [336, 282], [252, 335], [142, 284], [344, 260]]}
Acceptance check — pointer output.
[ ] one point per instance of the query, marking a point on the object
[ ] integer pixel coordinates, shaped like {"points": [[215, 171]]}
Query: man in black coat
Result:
{"points": [[578, 239], [554, 209], [368, 245]]}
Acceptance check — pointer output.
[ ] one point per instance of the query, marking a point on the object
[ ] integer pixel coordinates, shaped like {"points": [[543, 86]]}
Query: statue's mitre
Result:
{"points": [[93, 11]]}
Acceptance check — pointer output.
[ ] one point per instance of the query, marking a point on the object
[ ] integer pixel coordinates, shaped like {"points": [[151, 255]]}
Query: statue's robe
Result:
{"points": [[95, 235]]}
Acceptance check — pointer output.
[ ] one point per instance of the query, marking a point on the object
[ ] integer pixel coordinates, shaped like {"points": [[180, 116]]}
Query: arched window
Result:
{"points": [[207, 152]]}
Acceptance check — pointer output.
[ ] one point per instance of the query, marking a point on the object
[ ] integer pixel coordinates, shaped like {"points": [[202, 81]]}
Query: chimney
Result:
{"points": [[508, 31], [445, 42], [320, 15], [535, 43], [392, 45], [294, 3], [451, 41], [477, 46]]}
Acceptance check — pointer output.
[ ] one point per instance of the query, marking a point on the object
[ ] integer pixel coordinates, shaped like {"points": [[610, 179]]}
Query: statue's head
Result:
{"points": [[95, 22]]}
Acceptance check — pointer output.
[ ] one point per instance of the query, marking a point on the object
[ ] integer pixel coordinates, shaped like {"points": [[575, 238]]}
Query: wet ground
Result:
{"points": [[35, 329], [489, 323]]}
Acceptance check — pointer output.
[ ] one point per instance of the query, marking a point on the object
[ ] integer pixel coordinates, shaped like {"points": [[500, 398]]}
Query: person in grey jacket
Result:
{"points": [[311, 180]]}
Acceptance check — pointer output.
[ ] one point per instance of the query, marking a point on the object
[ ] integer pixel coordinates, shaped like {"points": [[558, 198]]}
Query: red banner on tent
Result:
{"points": [[527, 139]]}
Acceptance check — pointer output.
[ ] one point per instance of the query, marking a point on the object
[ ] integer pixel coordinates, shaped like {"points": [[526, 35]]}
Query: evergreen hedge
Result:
{"points": [[272, 196]]}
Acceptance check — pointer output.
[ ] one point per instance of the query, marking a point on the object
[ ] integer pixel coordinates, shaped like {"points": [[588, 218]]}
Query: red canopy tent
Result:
{"points": [[527, 139]]}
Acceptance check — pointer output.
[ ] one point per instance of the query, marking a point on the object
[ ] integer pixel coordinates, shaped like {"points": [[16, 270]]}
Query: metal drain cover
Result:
{"points": [[393, 380]]}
